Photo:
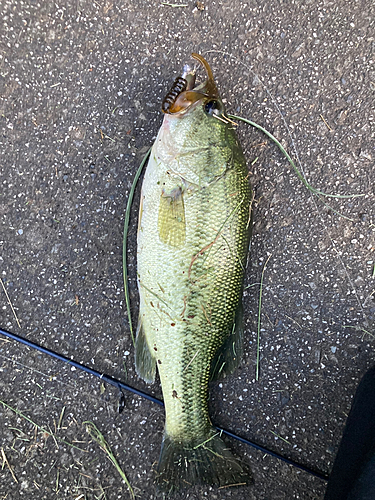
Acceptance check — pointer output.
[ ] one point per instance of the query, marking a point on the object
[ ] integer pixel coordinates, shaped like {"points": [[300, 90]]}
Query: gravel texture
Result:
{"points": [[80, 90]]}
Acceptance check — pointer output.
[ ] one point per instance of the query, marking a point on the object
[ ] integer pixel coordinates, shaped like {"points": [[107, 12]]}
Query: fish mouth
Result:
{"points": [[184, 94]]}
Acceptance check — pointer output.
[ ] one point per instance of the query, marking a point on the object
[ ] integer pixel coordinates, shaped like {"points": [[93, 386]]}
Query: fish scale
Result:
{"points": [[193, 241]]}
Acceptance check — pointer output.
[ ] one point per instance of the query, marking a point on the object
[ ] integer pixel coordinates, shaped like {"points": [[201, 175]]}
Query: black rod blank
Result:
{"points": [[120, 385]]}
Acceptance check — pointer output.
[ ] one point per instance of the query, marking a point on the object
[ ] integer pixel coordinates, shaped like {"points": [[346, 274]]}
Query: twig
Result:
{"points": [[231, 485], [249, 286], [360, 329], [99, 438], [282, 439], [259, 317], [174, 4], [325, 123], [11, 306], [192, 359], [294, 321], [42, 429], [5, 460], [60, 419]]}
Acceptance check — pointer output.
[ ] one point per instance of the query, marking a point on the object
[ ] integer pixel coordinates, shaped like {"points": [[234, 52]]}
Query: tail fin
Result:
{"points": [[208, 461]]}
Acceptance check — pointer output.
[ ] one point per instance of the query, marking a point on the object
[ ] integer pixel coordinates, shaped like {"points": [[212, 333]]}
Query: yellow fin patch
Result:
{"points": [[171, 221]]}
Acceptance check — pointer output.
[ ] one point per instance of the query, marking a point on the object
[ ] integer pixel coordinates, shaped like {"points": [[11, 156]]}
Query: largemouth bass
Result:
{"points": [[193, 239]]}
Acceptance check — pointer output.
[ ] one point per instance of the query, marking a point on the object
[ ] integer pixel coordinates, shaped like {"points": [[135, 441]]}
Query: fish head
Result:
{"points": [[196, 138], [185, 96]]}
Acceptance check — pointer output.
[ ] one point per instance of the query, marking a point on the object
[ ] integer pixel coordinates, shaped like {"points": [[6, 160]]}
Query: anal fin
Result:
{"points": [[145, 363], [228, 356]]}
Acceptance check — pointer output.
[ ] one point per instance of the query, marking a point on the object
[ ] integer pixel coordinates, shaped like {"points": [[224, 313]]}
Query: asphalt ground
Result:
{"points": [[81, 84]]}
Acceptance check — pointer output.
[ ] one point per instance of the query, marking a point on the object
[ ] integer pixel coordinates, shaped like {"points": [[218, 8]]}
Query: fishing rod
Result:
{"points": [[120, 385]]}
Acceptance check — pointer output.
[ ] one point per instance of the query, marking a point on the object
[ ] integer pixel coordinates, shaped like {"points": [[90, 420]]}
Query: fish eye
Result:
{"points": [[212, 107]]}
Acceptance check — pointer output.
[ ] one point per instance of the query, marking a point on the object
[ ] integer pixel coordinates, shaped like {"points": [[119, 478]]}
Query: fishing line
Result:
{"points": [[120, 385], [274, 102]]}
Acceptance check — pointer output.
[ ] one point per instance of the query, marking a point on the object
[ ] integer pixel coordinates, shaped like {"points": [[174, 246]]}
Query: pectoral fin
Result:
{"points": [[229, 354], [145, 363], [171, 221]]}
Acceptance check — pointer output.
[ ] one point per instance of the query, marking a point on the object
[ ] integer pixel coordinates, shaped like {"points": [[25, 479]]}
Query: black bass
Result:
{"points": [[193, 239]]}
